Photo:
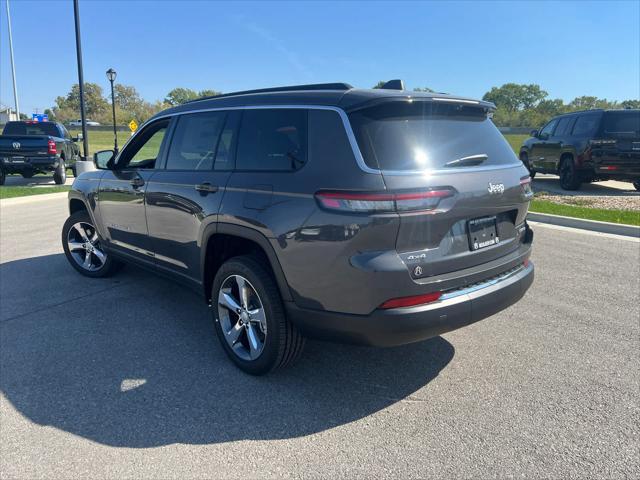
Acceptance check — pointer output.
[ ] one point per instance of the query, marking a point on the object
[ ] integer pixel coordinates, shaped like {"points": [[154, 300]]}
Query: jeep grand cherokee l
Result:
{"points": [[583, 147], [381, 217]]}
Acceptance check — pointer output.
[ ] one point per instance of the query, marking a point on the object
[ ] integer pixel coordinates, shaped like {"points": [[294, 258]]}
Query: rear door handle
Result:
{"points": [[206, 187], [137, 182]]}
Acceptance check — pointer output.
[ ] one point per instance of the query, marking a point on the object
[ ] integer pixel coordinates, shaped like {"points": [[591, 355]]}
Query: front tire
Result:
{"points": [[60, 173], [569, 177], [250, 319], [83, 247], [525, 161]]}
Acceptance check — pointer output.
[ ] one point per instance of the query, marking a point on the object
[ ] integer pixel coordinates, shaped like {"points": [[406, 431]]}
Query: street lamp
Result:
{"points": [[111, 75]]}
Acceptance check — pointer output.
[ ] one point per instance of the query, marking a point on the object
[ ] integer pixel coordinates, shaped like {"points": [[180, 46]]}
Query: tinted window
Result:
{"points": [[561, 129], [145, 147], [272, 140], [194, 142], [549, 127], [24, 128], [586, 125], [622, 124], [425, 135]]}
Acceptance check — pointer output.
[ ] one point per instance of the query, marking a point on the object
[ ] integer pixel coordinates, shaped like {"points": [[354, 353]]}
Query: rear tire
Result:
{"points": [[253, 329], [79, 240], [60, 173], [525, 161], [27, 174], [569, 177]]}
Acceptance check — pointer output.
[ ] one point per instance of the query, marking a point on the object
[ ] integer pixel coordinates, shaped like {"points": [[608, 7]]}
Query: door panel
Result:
{"points": [[178, 213], [122, 210]]}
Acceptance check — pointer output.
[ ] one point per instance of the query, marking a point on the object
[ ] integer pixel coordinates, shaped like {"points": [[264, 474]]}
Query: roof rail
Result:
{"points": [[290, 88]]}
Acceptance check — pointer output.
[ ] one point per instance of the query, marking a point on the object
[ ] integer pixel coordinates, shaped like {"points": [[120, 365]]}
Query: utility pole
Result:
{"points": [[85, 140], [13, 65]]}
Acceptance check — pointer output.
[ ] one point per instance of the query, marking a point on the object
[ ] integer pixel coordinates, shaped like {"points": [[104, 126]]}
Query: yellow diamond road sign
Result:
{"points": [[133, 126]]}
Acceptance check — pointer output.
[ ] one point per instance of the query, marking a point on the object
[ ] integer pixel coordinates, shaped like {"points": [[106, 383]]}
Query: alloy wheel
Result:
{"points": [[242, 317], [84, 246]]}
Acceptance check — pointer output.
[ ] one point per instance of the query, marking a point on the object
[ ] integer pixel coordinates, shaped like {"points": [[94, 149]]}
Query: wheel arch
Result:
{"points": [[222, 241]]}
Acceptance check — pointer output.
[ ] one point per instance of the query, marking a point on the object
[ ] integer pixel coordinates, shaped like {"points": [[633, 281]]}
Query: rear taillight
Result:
{"points": [[425, 200], [51, 147], [525, 183], [411, 301]]}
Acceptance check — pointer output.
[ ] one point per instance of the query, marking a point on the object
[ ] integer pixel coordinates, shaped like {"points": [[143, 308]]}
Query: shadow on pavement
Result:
{"points": [[551, 184], [37, 180], [133, 361]]}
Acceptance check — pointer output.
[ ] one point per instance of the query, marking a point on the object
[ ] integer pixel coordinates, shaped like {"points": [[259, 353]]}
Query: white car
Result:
{"points": [[78, 123]]}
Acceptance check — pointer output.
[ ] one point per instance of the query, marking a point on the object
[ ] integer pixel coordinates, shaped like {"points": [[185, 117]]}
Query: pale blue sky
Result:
{"points": [[569, 48]]}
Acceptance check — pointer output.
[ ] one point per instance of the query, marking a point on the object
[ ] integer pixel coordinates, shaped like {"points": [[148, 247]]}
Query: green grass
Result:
{"points": [[614, 216], [11, 192], [101, 140], [516, 141]]}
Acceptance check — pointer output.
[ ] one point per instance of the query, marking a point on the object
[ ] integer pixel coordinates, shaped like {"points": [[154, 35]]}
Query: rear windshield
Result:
{"points": [[426, 135], [23, 128], [622, 124]]}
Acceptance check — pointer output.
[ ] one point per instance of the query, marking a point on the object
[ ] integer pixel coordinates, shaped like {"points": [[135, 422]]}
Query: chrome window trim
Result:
{"points": [[349, 131]]}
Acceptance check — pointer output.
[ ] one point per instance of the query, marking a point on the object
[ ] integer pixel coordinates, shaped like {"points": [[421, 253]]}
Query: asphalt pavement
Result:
{"points": [[124, 378]]}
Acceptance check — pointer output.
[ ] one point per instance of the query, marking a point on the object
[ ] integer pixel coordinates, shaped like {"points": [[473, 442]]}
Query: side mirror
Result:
{"points": [[534, 133], [543, 136], [102, 159]]}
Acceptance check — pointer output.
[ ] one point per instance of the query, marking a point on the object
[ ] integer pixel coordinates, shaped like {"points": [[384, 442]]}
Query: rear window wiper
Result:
{"points": [[469, 161]]}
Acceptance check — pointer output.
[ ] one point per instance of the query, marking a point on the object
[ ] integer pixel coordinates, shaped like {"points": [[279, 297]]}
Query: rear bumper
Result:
{"points": [[11, 165], [386, 328]]}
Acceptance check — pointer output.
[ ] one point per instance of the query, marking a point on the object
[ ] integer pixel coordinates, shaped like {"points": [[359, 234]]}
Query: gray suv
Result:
{"points": [[379, 217]]}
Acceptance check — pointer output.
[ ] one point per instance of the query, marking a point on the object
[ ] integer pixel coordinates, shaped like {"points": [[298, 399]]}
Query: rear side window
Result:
{"points": [[426, 135], [195, 141], [622, 124], [562, 127], [272, 140], [586, 125]]}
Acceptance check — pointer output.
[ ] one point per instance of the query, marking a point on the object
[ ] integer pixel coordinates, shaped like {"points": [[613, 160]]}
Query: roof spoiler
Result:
{"points": [[396, 84]]}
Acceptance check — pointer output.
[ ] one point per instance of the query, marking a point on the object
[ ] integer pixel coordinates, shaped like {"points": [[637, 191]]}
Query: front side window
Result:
{"points": [[562, 126], [195, 141], [426, 135], [549, 128], [145, 148], [272, 140], [586, 125]]}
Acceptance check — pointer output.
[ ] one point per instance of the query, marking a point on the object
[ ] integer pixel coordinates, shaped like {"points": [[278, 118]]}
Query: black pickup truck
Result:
{"points": [[30, 147]]}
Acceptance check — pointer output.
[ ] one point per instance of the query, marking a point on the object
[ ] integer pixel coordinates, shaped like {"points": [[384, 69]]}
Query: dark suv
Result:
{"points": [[380, 217], [583, 147]]}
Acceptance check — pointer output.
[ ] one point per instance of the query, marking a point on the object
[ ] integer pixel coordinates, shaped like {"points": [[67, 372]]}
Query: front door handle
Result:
{"points": [[206, 187], [137, 182]]}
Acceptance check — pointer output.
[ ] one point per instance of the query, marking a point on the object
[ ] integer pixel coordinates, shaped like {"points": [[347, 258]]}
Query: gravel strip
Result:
{"points": [[609, 203]]}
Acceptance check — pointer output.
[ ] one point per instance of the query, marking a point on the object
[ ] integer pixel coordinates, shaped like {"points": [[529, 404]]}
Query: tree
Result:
{"points": [[208, 93], [380, 84], [423, 89], [630, 104], [180, 95], [514, 97], [68, 107]]}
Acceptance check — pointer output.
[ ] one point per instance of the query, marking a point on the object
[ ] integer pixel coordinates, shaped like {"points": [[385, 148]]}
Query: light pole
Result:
{"points": [[85, 140], [13, 66], [111, 75]]}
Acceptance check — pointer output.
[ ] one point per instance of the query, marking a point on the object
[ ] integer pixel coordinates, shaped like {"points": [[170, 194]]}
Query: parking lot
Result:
{"points": [[124, 378]]}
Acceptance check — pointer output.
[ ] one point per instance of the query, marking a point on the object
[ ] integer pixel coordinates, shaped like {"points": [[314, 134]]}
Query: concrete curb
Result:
{"points": [[592, 225], [42, 197]]}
